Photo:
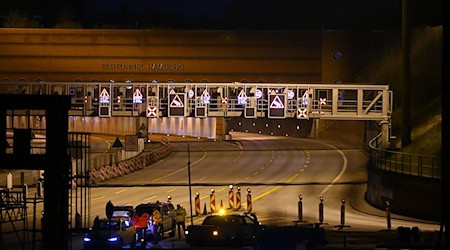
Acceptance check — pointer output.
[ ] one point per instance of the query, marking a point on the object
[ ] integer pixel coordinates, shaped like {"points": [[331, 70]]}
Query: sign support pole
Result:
{"points": [[190, 186]]}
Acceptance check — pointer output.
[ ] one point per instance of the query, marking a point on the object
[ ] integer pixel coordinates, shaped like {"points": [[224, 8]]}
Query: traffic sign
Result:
{"points": [[117, 143], [176, 104], [104, 96], [250, 112], [242, 97], [131, 143], [302, 113], [205, 97], [200, 111], [137, 96], [277, 107], [152, 111]]}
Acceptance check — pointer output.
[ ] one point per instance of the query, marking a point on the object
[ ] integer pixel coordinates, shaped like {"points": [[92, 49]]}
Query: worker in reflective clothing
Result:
{"points": [[157, 220], [180, 218], [140, 223]]}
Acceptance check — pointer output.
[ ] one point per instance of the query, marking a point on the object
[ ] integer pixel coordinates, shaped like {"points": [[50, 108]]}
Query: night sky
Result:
{"points": [[225, 14]]}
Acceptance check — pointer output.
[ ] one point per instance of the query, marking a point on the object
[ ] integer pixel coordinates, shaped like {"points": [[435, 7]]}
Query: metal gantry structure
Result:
{"points": [[251, 100]]}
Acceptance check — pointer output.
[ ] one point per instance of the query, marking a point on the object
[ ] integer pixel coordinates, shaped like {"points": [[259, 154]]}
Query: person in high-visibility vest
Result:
{"points": [[180, 219], [156, 224]]}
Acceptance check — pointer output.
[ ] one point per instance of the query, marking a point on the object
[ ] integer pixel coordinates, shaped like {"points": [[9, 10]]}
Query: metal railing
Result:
{"points": [[403, 163]]}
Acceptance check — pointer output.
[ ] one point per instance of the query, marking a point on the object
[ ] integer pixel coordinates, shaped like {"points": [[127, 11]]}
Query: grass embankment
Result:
{"points": [[426, 130]]}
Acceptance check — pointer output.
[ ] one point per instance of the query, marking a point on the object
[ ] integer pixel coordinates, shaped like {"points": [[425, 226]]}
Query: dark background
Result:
{"points": [[218, 14]]}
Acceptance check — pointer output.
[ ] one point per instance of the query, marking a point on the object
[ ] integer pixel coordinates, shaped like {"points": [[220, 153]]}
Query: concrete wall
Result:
{"points": [[145, 55], [412, 196]]}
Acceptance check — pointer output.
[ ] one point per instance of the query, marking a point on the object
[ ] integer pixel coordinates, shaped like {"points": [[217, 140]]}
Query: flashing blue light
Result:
{"points": [[113, 239], [87, 239]]}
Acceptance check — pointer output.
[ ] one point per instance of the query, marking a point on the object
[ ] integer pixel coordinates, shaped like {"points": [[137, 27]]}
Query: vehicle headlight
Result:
{"points": [[215, 233], [86, 239], [112, 239], [186, 232]]}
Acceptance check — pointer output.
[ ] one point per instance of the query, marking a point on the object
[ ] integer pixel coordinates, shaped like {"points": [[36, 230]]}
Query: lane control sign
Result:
{"points": [[277, 107], [177, 107]]}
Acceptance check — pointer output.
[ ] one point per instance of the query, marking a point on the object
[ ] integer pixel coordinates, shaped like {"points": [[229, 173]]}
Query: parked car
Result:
{"points": [[110, 233], [167, 211]]}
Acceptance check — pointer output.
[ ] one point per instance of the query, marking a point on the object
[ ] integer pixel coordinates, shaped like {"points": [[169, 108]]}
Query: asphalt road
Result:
{"points": [[276, 169]]}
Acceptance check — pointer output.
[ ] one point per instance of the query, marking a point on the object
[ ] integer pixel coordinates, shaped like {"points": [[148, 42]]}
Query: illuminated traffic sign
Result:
{"points": [[177, 108], [242, 97], [152, 111], [104, 96], [302, 113], [137, 96], [277, 107], [205, 97]]}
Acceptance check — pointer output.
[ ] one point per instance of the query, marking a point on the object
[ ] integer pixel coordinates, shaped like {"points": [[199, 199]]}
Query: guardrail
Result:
{"points": [[403, 163]]}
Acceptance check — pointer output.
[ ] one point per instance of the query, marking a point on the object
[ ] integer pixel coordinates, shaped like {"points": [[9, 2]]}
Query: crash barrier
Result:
{"points": [[249, 200], [238, 198], [197, 203], [212, 201], [231, 197], [136, 163]]}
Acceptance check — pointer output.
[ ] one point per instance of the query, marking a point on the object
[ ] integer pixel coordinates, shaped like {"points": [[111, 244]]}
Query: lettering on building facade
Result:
{"points": [[142, 66]]}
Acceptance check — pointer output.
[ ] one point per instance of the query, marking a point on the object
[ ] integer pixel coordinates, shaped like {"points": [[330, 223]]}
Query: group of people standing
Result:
{"points": [[141, 222]]}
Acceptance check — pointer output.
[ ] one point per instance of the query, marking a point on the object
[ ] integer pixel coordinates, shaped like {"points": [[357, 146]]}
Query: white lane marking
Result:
{"points": [[344, 167]]}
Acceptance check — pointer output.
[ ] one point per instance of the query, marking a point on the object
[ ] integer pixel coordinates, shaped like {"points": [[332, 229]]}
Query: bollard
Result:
{"points": [[39, 188], [321, 210], [212, 201], [204, 210], [197, 203], [9, 181], [249, 200], [300, 208], [388, 215], [342, 212], [238, 198], [231, 197]]}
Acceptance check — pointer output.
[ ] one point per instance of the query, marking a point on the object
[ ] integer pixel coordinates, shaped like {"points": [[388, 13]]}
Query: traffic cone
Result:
{"points": [[204, 210]]}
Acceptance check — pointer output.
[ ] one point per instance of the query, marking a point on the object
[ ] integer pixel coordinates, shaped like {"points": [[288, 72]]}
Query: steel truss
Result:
{"points": [[154, 99]]}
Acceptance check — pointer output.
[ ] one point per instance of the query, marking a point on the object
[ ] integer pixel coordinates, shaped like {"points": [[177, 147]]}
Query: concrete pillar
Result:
{"points": [[385, 135], [314, 133]]}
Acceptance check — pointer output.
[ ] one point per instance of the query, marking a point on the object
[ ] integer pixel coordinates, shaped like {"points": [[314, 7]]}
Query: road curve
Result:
{"points": [[276, 170]]}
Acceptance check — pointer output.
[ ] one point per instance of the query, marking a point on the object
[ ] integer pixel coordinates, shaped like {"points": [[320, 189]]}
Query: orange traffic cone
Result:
{"points": [[204, 210]]}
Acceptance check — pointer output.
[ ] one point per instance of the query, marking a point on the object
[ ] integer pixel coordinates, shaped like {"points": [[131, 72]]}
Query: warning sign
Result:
{"points": [[277, 103], [131, 143], [176, 104], [104, 96], [137, 96], [277, 107], [242, 97], [205, 97]]}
